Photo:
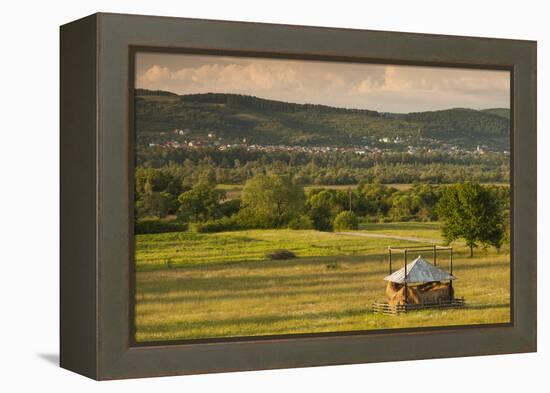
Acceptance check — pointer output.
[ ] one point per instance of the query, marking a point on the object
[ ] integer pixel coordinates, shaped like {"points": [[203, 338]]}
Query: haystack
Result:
{"points": [[419, 283], [428, 293]]}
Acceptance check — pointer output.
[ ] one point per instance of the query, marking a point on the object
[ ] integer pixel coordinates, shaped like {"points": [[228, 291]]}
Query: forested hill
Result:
{"points": [[503, 112], [232, 118]]}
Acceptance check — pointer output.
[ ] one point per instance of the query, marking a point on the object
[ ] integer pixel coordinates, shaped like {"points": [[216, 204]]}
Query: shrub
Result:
{"points": [[221, 225], [158, 204], [345, 220], [301, 222], [148, 226], [281, 254], [248, 219], [369, 220]]}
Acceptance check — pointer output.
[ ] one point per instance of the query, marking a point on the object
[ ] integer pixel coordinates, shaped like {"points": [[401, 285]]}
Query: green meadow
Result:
{"points": [[211, 285]]}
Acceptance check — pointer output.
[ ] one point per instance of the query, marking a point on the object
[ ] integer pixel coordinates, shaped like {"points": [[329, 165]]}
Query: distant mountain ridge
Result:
{"points": [[234, 117], [245, 101], [503, 112]]}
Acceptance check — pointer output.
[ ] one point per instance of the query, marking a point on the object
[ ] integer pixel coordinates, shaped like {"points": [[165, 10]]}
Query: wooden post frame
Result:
{"points": [[451, 294], [405, 265], [97, 269]]}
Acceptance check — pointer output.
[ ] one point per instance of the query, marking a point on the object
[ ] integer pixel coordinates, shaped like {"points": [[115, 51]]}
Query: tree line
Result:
{"points": [[235, 166], [474, 212]]}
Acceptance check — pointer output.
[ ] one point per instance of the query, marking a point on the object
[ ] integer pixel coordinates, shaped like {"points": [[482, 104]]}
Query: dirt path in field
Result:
{"points": [[395, 237]]}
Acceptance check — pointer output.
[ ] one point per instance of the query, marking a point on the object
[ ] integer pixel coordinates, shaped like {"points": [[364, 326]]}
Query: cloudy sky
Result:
{"points": [[386, 88]]}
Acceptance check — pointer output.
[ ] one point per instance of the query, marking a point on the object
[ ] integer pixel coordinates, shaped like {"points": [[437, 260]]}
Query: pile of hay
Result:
{"points": [[431, 292]]}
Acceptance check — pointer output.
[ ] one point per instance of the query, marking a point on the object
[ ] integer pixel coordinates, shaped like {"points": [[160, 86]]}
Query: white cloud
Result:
{"points": [[155, 74], [369, 85], [401, 79], [379, 87], [227, 77]]}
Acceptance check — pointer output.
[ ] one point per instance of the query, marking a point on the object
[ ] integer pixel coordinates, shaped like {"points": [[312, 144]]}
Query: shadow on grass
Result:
{"points": [[251, 282], [237, 323], [458, 266], [252, 264], [193, 240], [485, 306], [264, 294]]}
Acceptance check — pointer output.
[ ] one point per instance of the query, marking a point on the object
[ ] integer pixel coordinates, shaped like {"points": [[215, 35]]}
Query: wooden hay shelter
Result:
{"points": [[418, 284]]}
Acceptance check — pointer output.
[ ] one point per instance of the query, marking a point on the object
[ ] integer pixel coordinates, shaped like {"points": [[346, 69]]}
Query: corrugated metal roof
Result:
{"points": [[419, 271]]}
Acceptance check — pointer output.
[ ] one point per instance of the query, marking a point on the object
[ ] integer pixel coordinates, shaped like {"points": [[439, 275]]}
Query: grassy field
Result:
{"points": [[219, 285], [427, 230], [187, 249]]}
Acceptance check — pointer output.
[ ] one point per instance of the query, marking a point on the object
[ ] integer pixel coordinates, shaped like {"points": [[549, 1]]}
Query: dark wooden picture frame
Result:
{"points": [[97, 269]]}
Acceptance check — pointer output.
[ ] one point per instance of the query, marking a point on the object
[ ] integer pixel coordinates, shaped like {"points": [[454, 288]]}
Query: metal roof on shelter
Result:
{"points": [[419, 271]]}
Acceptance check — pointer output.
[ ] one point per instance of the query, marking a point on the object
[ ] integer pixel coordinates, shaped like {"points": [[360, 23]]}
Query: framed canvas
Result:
{"points": [[242, 196]]}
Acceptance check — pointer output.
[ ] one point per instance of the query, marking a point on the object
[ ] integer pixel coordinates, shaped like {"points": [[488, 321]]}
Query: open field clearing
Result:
{"points": [[191, 286], [426, 230], [186, 249]]}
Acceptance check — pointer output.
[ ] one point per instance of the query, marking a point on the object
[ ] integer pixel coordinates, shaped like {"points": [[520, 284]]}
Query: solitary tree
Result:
{"points": [[273, 199], [472, 212], [201, 203]]}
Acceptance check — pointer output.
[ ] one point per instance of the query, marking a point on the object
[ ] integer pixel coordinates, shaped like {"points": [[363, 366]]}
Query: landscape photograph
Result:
{"points": [[281, 197]]}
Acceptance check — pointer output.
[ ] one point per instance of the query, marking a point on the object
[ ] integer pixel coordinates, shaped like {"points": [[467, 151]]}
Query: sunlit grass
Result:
{"points": [[424, 230], [208, 291], [183, 249]]}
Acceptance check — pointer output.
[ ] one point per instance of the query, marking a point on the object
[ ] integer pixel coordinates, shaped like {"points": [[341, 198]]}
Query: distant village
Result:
{"points": [[183, 139]]}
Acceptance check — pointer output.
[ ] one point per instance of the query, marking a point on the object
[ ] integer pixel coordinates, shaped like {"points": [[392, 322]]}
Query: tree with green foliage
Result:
{"points": [[301, 222], [472, 212], [149, 180], [272, 200], [427, 196], [155, 204], [201, 203], [321, 208], [404, 205], [376, 198], [230, 207], [345, 220]]}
